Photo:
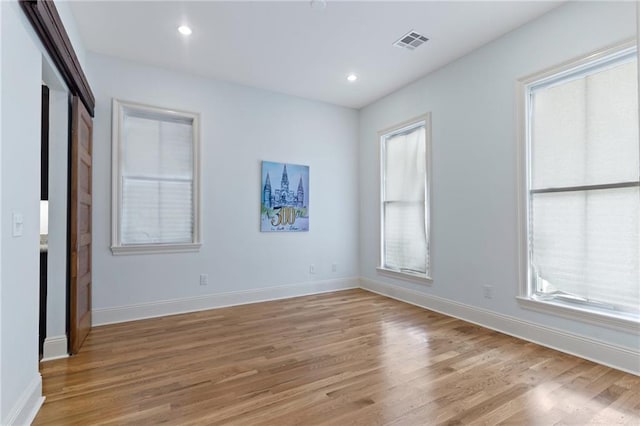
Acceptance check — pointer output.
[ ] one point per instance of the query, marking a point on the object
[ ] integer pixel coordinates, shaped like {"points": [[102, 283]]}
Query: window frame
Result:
{"points": [[119, 108], [526, 290], [424, 120]]}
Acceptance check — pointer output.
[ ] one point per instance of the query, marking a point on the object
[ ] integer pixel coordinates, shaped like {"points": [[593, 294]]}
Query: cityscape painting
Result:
{"points": [[285, 197]]}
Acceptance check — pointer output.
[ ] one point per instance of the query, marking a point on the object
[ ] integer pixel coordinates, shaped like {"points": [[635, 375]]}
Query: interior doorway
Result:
{"points": [[53, 307], [44, 217], [62, 65]]}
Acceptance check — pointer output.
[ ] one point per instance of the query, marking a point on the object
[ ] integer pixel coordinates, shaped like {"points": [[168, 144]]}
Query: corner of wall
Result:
{"points": [[26, 407]]}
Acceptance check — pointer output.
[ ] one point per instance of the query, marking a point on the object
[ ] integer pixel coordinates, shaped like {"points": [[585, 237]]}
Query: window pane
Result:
{"points": [[405, 166], [585, 131], [176, 205], [141, 146], [405, 236], [558, 136], [176, 149], [155, 148], [587, 243], [156, 211]]}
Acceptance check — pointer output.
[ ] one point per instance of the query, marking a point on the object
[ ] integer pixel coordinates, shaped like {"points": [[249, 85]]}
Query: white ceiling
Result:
{"points": [[292, 48]]}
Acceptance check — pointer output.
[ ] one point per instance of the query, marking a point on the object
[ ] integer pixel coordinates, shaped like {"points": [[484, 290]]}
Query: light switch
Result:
{"points": [[18, 224]]}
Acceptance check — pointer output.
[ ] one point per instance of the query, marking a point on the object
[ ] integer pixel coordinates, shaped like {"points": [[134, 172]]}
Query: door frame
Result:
{"points": [[46, 22]]}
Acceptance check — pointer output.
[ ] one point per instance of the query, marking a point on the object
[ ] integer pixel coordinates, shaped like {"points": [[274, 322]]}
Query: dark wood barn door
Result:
{"points": [[80, 223]]}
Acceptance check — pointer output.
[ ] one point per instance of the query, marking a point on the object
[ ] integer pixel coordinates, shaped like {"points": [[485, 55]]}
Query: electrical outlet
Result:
{"points": [[312, 269], [487, 290], [204, 279], [334, 267]]}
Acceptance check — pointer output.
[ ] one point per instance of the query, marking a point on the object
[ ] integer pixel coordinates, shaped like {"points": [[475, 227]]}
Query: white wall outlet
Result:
{"points": [[334, 267], [487, 291], [312, 269], [17, 224], [204, 279]]}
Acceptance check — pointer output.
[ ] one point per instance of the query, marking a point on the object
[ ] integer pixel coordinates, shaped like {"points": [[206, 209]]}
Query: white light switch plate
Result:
{"points": [[18, 224]]}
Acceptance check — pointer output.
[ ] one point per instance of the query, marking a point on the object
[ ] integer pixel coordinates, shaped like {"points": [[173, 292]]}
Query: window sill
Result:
{"points": [[155, 249], [415, 278], [566, 310]]}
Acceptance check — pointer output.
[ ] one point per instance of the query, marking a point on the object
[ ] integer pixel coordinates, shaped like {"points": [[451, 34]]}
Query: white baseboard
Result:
{"points": [[621, 358], [54, 348], [220, 300], [26, 408]]}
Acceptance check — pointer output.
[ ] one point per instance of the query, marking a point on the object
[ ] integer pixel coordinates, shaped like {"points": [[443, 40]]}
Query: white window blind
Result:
{"points": [[584, 195], [157, 181], [156, 186], [404, 205]]}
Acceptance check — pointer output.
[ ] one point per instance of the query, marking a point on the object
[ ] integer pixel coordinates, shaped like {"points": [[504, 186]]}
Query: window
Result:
{"points": [[404, 209], [155, 180], [582, 200]]}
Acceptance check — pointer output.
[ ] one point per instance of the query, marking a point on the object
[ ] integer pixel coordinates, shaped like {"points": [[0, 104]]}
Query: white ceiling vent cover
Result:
{"points": [[410, 40]]}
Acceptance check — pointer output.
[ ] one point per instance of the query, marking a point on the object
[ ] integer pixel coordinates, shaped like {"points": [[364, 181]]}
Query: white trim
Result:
{"points": [[220, 300], [577, 62], [590, 316], [621, 358], [54, 348], [118, 107], [28, 405], [415, 278], [522, 179], [155, 248], [600, 61], [406, 123]]}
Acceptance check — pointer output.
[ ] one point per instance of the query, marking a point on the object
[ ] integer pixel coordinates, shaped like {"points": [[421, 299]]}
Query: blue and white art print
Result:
{"points": [[285, 197]]}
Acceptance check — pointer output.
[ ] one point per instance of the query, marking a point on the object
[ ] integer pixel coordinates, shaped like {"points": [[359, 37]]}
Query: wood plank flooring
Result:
{"points": [[344, 358]]}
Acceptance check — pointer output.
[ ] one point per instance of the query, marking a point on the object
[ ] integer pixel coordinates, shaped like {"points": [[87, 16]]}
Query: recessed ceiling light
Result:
{"points": [[318, 4], [352, 77], [184, 30]]}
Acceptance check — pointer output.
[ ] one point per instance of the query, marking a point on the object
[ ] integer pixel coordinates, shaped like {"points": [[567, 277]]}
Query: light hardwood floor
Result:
{"points": [[349, 357]]}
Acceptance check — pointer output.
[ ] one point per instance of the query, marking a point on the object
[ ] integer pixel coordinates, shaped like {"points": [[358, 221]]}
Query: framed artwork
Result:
{"points": [[284, 197]]}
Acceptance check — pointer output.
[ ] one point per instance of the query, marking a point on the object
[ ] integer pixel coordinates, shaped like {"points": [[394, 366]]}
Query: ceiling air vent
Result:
{"points": [[410, 40]]}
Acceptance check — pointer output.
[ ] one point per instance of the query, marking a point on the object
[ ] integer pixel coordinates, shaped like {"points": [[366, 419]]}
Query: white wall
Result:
{"points": [[240, 126], [20, 190], [474, 216], [22, 57]]}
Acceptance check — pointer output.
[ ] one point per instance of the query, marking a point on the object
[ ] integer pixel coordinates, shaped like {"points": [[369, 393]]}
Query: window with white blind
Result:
{"points": [[155, 180], [404, 153], [582, 199]]}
